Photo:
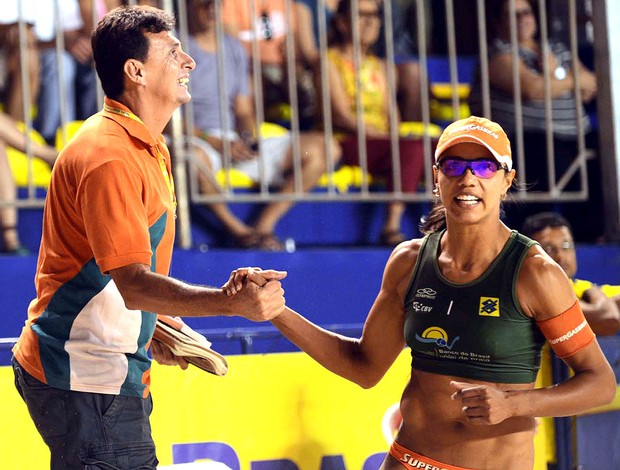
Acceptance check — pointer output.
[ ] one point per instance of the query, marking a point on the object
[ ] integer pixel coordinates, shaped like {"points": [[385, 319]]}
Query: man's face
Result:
{"points": [[558, 243], [167, 69]]}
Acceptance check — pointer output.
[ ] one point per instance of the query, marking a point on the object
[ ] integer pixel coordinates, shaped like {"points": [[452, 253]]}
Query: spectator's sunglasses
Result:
{"points": [[265, 29], [482, 168]]}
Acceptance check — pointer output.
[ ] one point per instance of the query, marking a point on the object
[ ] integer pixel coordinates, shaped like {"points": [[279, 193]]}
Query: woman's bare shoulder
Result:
{"points": [[543, 288], [402, 260]]}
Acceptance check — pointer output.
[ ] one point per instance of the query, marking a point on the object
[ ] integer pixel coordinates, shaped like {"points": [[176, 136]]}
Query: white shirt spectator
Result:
{"points": [[12, 10], [46, 20]]}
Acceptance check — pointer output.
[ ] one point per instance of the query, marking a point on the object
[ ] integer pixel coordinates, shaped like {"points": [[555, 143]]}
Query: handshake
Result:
{"points": [[259, 290], [252, 293]]}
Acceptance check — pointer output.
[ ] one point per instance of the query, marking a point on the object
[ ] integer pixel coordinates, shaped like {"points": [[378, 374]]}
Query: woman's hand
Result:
{"points": [[481, 404]]}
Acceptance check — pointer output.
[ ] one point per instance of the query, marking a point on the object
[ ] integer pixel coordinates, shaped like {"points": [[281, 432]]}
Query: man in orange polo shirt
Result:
{"points": [[81, 362]]}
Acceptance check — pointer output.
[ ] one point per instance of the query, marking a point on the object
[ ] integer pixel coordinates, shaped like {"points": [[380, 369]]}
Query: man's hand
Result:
{"points": [[481, 404], [164, 356], [258, 276], [258, 293]]}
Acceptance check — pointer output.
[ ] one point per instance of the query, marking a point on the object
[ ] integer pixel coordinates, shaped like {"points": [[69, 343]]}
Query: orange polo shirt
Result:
{"points": [[110, 204]]}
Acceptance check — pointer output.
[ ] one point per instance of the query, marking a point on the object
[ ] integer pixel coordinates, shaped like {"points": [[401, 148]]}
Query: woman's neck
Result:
{"points": [[474, 245], [348, 50]]}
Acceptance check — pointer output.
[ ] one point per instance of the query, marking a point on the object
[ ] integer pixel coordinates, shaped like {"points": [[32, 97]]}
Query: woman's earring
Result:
{"points": [[436, 191]]}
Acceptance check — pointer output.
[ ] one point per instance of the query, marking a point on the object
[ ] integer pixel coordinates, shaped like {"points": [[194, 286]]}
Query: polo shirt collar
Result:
{"points": [[134, 126]]}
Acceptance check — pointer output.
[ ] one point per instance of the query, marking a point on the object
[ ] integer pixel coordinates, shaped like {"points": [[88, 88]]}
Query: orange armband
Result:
{"points": [[568, 333]]}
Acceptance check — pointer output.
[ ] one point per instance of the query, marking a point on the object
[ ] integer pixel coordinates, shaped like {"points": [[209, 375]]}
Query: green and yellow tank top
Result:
{"points": [[475, 330]]}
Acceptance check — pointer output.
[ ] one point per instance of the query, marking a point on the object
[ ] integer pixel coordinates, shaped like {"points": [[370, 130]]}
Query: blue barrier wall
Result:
{"points": [[329, 286], [332, 287]]}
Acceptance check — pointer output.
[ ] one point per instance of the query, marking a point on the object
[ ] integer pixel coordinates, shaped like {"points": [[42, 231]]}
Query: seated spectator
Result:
{"points": [[269, 28], [79, 81], [276, 152], [562, 73], [407, 68], [562, 76], [376, 108], [600, 304], [307, 32], [11, 79], [11, 136], [408, 74], [307, 42]]}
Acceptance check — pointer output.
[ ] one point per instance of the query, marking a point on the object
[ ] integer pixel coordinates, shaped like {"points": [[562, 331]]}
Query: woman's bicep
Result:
{"points": [[543, 289]]}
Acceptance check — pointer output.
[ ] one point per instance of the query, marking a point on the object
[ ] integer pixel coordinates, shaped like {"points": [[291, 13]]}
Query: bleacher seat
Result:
{"points": [[441, 87]]}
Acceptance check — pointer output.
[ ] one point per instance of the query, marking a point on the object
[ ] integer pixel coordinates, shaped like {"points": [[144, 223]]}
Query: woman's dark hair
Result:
{"points": [[538, 222], [119, 37], [434, 221]]}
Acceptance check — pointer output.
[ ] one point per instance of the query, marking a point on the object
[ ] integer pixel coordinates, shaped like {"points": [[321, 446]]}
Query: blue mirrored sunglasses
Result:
{"points": [[482, 168]]}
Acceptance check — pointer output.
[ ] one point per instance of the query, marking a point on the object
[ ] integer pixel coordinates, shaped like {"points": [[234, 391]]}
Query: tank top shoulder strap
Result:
{"points": [[427, 250]]}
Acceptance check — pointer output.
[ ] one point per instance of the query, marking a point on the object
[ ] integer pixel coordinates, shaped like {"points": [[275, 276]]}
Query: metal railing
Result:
{"points": [[182, 124]]}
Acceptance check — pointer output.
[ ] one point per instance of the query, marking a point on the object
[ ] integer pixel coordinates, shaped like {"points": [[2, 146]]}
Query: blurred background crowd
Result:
{"points": [[322, 100]]}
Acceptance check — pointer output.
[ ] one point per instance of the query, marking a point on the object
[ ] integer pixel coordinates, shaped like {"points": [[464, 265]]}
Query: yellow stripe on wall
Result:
{"points": [[268, 407]]}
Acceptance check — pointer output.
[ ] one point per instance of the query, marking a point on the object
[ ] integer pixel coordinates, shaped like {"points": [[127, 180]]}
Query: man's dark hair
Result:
{"points": [[120, 36], [537, 222]]}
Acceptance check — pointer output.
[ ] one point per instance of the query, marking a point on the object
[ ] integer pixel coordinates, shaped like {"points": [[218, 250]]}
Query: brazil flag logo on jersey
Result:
{"points": [[489, 307]]}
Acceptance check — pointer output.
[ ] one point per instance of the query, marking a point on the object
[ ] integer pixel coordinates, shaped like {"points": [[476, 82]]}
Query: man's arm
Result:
{"points": [[244, 116], [143, 289]]}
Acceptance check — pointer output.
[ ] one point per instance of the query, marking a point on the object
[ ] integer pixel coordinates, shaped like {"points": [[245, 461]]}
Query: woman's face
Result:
{"points": [[369, 15], [469, 197], [526, 20]]}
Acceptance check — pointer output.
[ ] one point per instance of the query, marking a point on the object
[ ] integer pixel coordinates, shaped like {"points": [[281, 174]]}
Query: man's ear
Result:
{"points": [[134, 70]]}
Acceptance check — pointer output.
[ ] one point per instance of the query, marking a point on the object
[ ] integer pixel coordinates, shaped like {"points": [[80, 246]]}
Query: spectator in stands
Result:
{"points": [[375, 108], [269, 27], [307, 43], [275, 152], [106, 248], [307, 32], [404, 34], [79, 82], [10, 135], [600, 304], [11, 78], [475, 302], [8, 215], [405, 53], [562, 73]]}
